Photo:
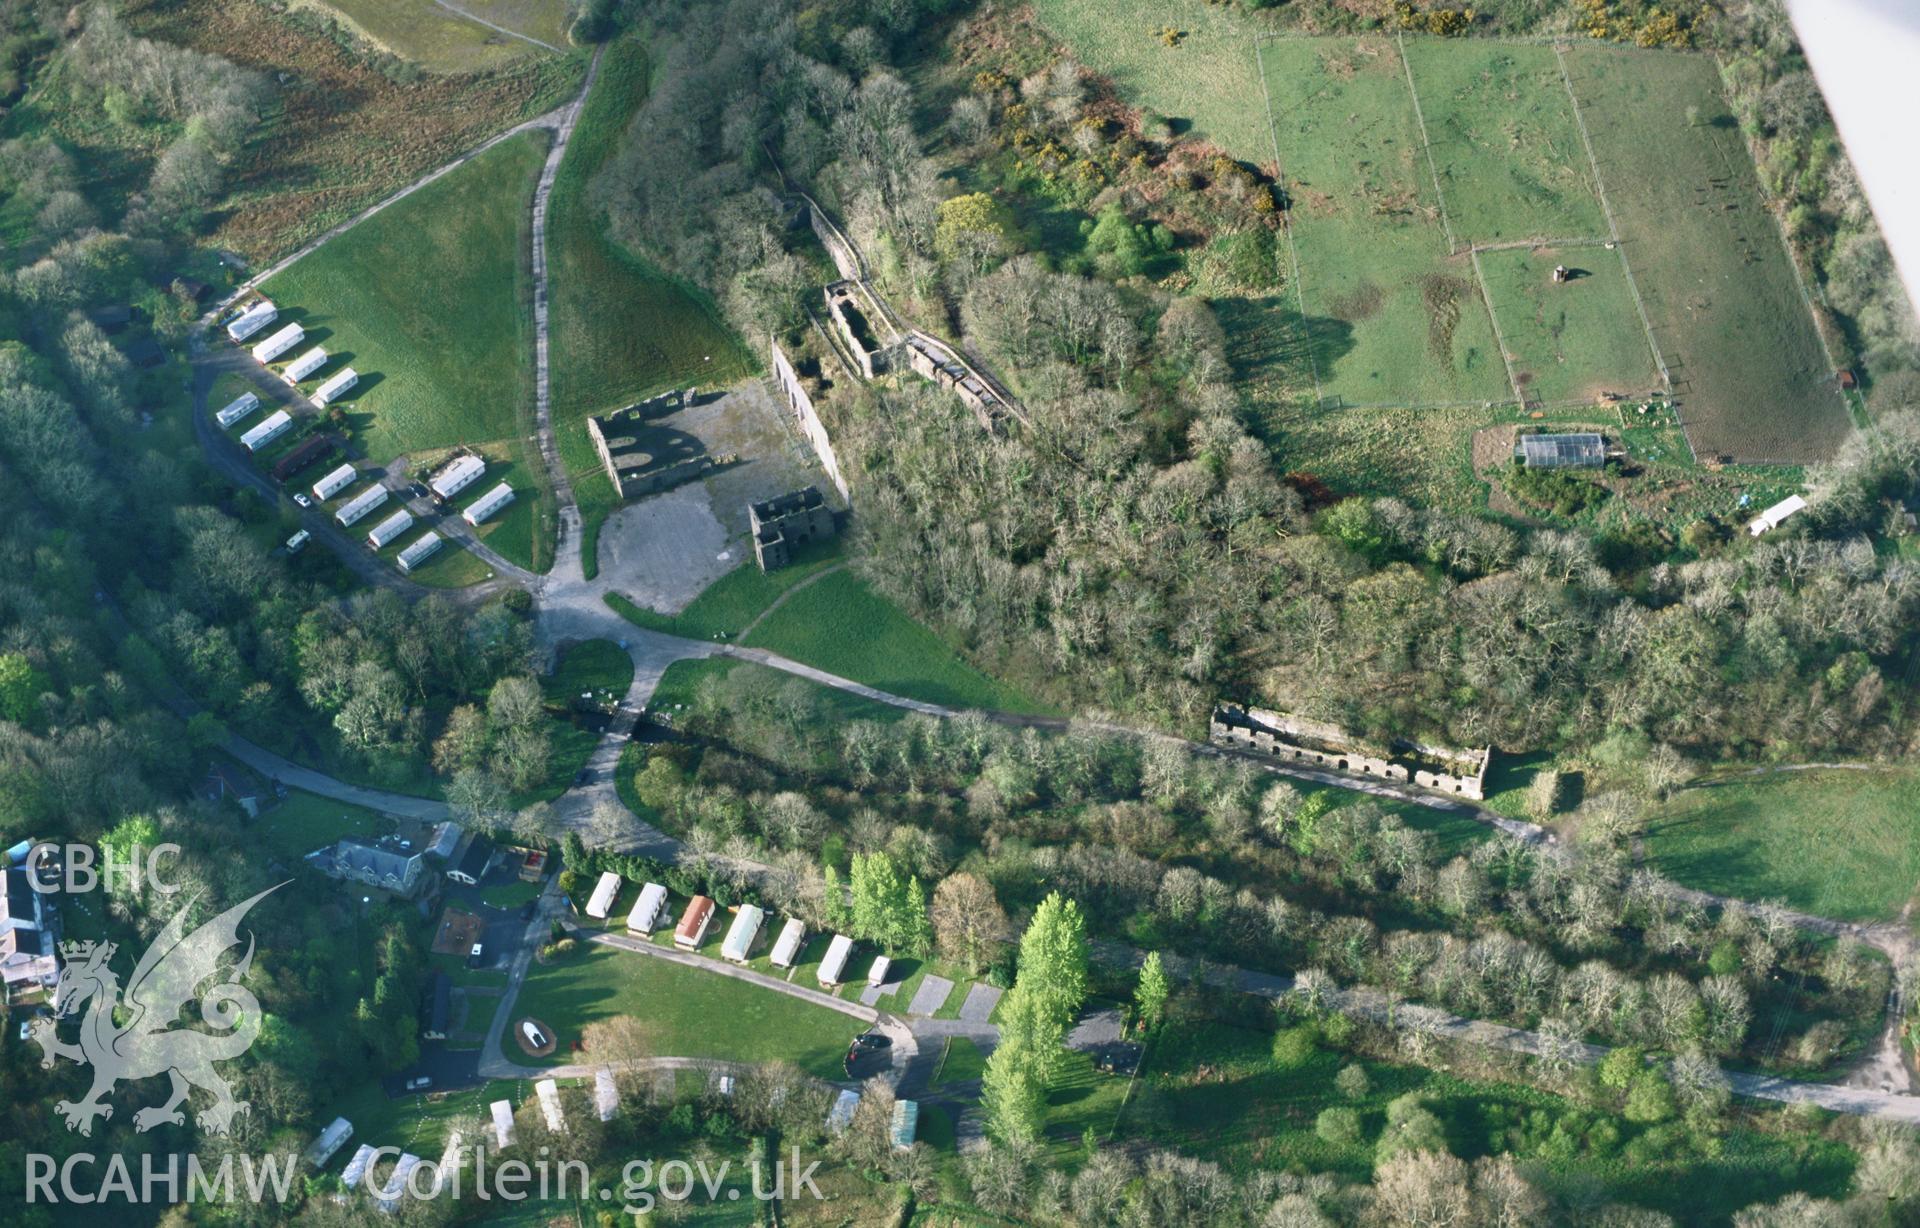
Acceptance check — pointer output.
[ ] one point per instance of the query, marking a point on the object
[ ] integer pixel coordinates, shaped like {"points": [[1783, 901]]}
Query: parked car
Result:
{"points": [[418, 490], [298, 542], [301, 499], [473, 956], [526, 910], [534, 1035], [872, 1040], [419, 1083], [583, 777]]}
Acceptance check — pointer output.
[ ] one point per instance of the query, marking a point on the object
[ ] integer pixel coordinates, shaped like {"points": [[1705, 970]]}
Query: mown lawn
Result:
{"points": [[840, 625], [622, 329], [733, 601], [303, 822], [689, 1012], [1841, 844], [416, 1123], [430, 302]]}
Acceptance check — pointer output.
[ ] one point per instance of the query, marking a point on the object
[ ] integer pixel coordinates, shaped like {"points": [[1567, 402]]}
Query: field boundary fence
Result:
{"points": [[1613, 227], [1426, 147], [1286, 224]]}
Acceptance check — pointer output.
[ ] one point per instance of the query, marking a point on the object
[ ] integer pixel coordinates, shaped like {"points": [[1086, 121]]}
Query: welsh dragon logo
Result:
{"points": [[165, 981]]}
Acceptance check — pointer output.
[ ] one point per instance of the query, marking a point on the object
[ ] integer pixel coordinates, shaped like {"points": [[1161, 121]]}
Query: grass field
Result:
{"points": [[441, 41], [690, 1012], [731, 603], [545, 20], [622, 330], [1569, 341], [1506, 148], [1836, 843], [1730, 319], [1392, 316], [840, 625], [431, 377], [303, 822]]}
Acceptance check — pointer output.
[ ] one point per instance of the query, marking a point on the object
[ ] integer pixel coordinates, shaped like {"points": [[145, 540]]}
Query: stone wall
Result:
{"points": [[1306, 743], [807, 418]]}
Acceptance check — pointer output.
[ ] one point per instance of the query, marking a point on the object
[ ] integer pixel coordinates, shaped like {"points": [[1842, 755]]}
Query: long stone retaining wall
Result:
{"points": [[807, 418]]}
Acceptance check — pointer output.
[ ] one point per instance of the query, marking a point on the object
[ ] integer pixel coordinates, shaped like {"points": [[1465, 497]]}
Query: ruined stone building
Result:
{"points": [[1306, 743], [861, 326], [780, 525], [635, 468], [933, 361]]}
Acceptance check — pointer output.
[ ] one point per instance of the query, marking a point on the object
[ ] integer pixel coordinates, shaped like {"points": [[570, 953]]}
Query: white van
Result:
{"points": [[298, 542]]}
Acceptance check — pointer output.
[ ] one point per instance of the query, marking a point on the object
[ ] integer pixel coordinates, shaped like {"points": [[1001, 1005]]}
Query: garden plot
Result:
{"points": [[1394, 316], [1721, 294]]}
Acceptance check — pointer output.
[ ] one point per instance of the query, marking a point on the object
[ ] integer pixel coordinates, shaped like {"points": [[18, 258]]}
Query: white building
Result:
{"points": [[336, 387], [362, 503], [305, 365], [456, 477], [487, 504], [390, 528], [549, 1093], [267, 431], [279, 343], [606, 1097], [252, 320], [502, 1124], [237, 409], [1775, 516], [740, 935], [834, 966], [356, 1169], [334, 482], [419, 552], [605, 892], [645, 917], [331, 1140], [786, 948]]}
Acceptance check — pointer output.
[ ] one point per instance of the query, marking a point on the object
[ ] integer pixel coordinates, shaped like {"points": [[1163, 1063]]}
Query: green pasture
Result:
{"points": [[1837, 843], [1392, 317], [1572, 340], [1506, 148], [429, 301], [1707, 254]]}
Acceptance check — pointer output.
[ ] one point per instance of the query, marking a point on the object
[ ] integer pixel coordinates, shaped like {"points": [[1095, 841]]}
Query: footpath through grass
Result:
{"points": [[730, 604], [430, 302], [840, 625], [688, 1012], [1842, 844], [622, 329]]}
